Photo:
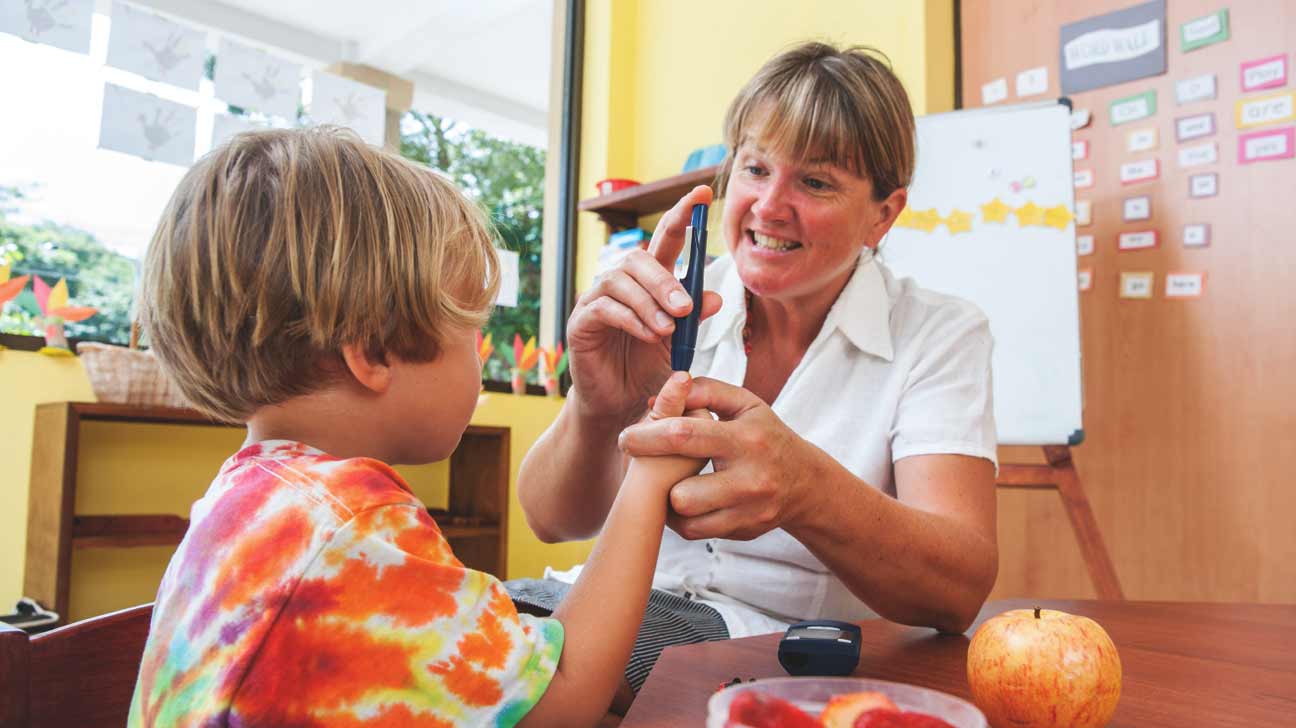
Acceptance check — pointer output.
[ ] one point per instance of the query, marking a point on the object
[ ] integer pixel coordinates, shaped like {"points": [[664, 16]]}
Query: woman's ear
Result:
{"points": [[891, 208], [373, 374]]}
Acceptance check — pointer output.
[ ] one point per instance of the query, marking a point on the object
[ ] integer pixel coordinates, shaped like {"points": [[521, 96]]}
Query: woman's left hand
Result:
{"points": [[761, 466]]}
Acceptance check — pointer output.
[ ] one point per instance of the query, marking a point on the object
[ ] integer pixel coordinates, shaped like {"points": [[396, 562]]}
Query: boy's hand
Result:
{"points": [[669, 403]]}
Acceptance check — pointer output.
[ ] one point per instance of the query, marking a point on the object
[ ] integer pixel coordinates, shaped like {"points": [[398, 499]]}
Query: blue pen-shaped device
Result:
{"points": [[684, 339]]}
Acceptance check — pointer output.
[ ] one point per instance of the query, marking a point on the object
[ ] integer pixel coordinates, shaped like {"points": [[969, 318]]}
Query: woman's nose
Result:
{"points": [[772, 204]]}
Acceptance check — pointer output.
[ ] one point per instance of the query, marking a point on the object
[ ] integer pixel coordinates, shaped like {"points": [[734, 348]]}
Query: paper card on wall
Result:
{"points": [[225, 126], [1140, 171], [994, 92], [61, 23], [1032, 82], [1197, 88], [1136, 208], [357, 106], [1080, 149], [1083, 212], [1142, 140], [1193, 127], [1084, 245], [1203, 185], [1271, 109], [1114, 48], [1260, 146], [1083, 178], [1199, 154], [1263, 73], [1185, 285], [147, 126], [1138, 240], [1080, 118], [508, 290], [1084, 278], [156, 48], [1136, 285], [1133, 108], [1204, 31], [1196, 235], [252, 79]]}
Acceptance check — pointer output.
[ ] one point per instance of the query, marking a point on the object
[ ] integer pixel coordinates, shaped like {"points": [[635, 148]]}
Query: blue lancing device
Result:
{"points": [[684, 339]]}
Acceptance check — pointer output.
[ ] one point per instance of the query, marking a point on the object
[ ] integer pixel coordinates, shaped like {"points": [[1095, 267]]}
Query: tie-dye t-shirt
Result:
{"points": [[313, 591]]}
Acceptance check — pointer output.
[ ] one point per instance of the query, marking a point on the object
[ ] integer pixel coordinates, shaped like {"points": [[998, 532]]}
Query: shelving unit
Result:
{"points": [[479, 472], [622, 210]]}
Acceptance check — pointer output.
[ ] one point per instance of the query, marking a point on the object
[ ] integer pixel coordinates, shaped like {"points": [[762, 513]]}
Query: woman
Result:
{"points": [[854, 445]]}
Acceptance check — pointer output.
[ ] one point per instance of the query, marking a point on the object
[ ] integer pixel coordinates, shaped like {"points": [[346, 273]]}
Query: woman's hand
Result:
{"points": [[761, 466], [618, 332], [667, 470]]}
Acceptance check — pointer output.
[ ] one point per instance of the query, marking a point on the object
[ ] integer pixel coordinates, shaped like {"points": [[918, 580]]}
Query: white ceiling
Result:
{"points": [[483, 62]]}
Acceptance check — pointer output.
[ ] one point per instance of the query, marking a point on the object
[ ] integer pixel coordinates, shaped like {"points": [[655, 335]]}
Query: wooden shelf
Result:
{"points": [[476, 517], [622, 209]]}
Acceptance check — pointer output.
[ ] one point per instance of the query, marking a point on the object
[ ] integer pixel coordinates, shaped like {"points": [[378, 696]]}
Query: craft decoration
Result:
{"points": [[521, 359], [357, 106], [55, 311], [147, 126], [1272, 109], [251, 79], [958, 221], [485, 347], [1266, 145], [1264, 73], [1026, 183], [552, 365], [1113, 48], [1185, 285], [61, 23], [1030, 214], [1136, 285], [1197, 88], [156, 48], [1204, 31], [1057, 216], [995, 211], [9, 287]]}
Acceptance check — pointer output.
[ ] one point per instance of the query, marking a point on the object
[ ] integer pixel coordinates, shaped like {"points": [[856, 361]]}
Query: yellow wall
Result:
{"points": [[164, 468], [659, 75]]}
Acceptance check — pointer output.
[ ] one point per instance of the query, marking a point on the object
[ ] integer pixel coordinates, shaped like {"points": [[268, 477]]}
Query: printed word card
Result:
{"points": [[1262, 110], [1136, 208], [1141, 240], [1140, 171], [1196, 235], [1084, 245], [1260, 146], [1136, 285], [1193, 127], [1199, 154], [1185, 285], [1203, 185], [1142, 140], [1197, 88], [1264, 73]]}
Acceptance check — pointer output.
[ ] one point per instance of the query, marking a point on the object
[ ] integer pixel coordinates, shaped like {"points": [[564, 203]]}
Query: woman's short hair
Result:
{"points": [[843, 106], [281, 246]]}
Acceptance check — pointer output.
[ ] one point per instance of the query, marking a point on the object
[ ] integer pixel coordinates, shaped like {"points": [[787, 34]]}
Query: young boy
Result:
{"points": [[326, 294]]}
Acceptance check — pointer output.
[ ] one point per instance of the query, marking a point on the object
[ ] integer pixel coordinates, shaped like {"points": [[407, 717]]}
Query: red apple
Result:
{"points": [[1042, 668]]}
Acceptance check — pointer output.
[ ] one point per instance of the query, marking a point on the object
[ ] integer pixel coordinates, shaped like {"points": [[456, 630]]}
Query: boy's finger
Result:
{"points": [[670, 401]]}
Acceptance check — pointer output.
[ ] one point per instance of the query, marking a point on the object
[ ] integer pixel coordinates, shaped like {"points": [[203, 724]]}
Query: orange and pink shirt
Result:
{"points": [[314, 591]]}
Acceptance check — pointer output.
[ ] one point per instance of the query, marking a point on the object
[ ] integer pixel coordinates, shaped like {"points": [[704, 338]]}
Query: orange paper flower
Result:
{"points": [[524, 357]]}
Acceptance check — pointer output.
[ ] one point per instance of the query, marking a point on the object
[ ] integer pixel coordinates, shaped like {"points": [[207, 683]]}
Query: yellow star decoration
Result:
{"points": [[959, 222], [1057, 216], [1030, 214], [927, 220], [905, 219], [995, 211]]}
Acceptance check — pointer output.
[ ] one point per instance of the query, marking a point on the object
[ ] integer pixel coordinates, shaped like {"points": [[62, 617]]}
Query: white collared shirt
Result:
{"points": [[895, 371]]}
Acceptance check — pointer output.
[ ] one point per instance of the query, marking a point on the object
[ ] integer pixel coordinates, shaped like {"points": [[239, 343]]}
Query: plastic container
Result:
{"points": [[811, 694], [612, 184]]}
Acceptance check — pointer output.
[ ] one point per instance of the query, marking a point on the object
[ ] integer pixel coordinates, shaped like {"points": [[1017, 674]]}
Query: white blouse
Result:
{"points": [[895, 371]]}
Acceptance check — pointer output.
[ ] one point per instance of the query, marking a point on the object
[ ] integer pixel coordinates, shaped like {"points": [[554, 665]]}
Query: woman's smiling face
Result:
{"points": [[794, 228]]}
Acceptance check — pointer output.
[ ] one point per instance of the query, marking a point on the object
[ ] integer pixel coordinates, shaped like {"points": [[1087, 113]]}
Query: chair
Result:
{"points": [[79, 675]]}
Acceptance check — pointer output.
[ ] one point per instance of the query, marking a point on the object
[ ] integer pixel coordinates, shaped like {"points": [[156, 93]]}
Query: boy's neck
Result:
{"points": [[331, 420]]}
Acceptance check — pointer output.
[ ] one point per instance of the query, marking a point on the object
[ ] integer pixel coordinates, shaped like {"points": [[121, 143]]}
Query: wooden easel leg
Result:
{"points": [[1092, 547]]}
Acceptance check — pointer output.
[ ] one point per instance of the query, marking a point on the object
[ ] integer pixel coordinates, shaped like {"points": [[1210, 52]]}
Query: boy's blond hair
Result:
{"points": [[817, 102], [282, 246]]}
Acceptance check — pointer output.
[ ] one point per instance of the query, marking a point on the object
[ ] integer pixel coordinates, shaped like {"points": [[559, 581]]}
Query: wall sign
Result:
{"points": [[1204, 31], [1140, 171], [1197, 88], [1133, 108], [1185, 285], [1139, 240], [1264, 73], [1142, 140], [1196, 235], [1114, 48], [1203, 185], [1199, 154], [1193, 127], [1136, 208], [1136, 285], [1271, 109], [1260, 146]]}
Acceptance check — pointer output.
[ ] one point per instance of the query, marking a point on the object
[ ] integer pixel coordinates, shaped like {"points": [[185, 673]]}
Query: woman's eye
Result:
{"points": [[816, 184], [755, 169]]}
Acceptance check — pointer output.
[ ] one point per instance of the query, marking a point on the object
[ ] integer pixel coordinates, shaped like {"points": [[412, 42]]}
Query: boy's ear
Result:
{"points": [[372, 373]]}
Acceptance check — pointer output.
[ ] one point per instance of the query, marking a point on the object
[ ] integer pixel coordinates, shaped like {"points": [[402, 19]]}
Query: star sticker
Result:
{"points": [[927, 220], [959, 222], [995, 211], [1057, 216], [1030, 214]]}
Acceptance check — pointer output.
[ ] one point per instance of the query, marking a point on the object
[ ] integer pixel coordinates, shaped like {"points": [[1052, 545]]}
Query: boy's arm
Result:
{"points": [[602, 612]]}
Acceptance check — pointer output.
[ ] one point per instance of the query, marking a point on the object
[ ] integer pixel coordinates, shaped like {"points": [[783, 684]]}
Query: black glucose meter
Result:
{"points": [[822, 647]]}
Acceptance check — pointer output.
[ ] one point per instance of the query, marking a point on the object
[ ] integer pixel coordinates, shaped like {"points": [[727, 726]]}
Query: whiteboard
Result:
{"points": [[1021, 273]]}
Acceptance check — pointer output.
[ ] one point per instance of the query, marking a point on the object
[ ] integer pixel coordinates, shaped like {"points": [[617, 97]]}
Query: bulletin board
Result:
{"points": [[1186, 258]]}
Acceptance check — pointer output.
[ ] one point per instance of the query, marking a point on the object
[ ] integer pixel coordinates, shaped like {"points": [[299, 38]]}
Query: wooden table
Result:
{"points": [[1183, 664]]}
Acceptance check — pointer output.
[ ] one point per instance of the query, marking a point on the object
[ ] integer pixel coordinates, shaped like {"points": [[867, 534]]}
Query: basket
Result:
{"points": [[127, 376]]}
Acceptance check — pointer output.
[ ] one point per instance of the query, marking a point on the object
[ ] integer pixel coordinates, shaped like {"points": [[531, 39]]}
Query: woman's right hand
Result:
{"points": [[619, 332]]}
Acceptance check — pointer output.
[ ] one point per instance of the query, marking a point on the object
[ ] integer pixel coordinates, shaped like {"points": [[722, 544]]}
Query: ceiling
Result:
{"points": [[483, 62]]}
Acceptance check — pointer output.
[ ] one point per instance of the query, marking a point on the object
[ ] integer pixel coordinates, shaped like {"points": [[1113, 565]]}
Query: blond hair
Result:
{"points": [[816, 102], [282, 246]]}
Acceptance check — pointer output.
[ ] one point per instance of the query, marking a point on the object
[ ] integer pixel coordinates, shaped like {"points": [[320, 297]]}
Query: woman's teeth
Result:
{"points": [[772, 243]]}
